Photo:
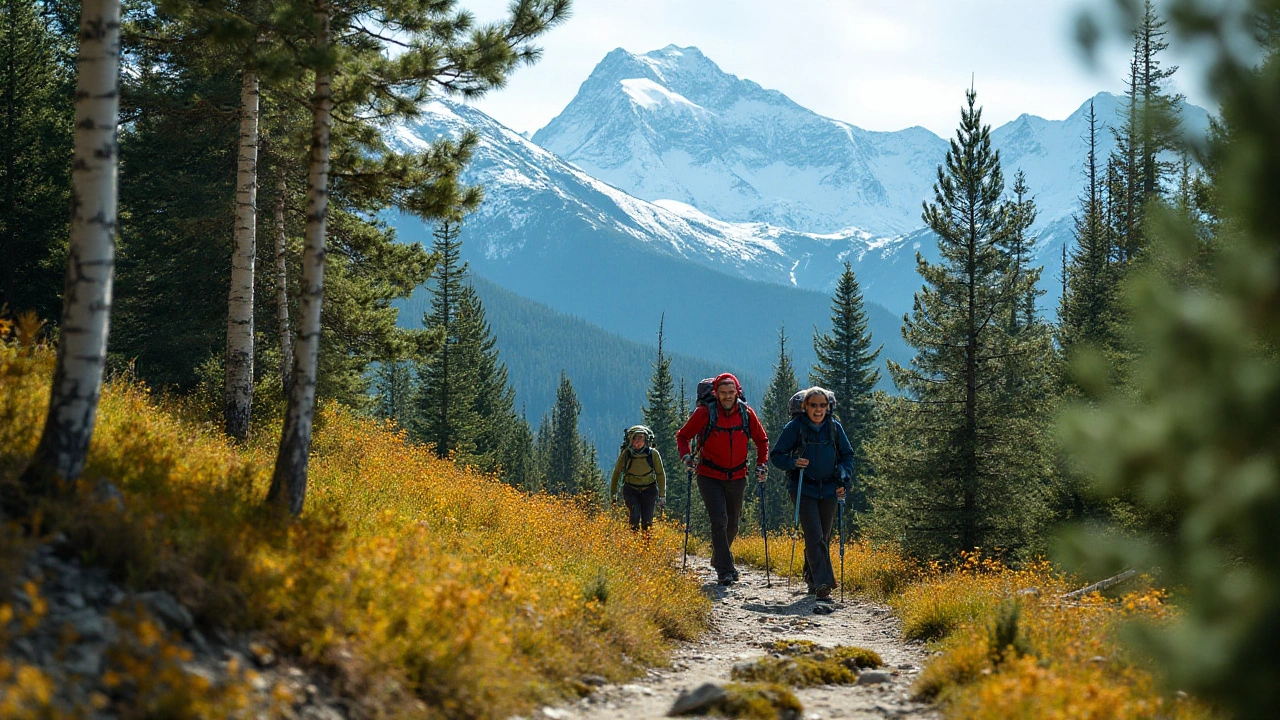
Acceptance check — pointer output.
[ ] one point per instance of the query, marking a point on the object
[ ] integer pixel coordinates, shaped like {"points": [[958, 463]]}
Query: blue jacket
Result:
{"points": [[830, 464]]}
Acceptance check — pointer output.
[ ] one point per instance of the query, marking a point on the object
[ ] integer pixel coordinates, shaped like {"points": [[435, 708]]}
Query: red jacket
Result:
{"points": [[727, 446]]}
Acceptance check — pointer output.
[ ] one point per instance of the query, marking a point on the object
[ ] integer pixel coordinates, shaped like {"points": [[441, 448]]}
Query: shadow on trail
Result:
{"points": [[800, 607]]}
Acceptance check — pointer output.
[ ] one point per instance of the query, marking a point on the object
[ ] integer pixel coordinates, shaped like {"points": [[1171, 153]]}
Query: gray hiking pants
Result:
{"points": [[817, 519], [723, 499], [640, 504]]}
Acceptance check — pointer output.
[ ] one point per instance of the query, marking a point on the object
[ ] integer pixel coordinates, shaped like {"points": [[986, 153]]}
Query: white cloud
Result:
{"points": [[879, 64]]}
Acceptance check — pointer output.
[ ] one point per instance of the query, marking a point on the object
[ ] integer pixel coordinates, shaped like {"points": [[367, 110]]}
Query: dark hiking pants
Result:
{"points": [[817, 519], [723, 499], [640, 504]]}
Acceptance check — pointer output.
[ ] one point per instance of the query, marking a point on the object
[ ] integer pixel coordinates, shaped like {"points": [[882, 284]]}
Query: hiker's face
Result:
{"points": [[727, 394], [816, 408], [637, 442]]}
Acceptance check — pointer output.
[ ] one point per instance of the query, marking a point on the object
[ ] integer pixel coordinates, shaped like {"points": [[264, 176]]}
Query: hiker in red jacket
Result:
{"points": [[722, 463]]}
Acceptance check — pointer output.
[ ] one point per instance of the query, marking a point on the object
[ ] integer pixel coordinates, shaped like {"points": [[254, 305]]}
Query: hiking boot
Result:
{"points": [[726, 579], [736, 576], [824, 593]]}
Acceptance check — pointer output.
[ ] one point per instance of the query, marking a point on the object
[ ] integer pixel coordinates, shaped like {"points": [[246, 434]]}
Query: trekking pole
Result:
{"points": [[795, 529], [840, 514], [764, 530], [688, 509]]}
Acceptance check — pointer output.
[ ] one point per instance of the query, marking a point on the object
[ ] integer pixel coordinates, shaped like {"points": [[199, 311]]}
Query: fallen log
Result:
{"points": [[1102, 584]]}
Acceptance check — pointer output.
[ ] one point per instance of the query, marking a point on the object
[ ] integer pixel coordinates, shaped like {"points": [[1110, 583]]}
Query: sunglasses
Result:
{"points": [[817, 405]]}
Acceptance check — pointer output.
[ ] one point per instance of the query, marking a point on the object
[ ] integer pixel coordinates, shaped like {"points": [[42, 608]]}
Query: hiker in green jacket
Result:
{"points": [[644, 484]]}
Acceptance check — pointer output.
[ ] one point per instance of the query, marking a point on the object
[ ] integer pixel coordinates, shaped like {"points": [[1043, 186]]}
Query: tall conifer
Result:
{"points": [[968, 481], [662, 415], [774, 414], [847, 367]]}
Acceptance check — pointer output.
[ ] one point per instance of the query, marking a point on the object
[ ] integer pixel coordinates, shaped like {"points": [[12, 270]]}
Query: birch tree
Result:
{"points": [[443, 51], [238, 387], [82, 349]]}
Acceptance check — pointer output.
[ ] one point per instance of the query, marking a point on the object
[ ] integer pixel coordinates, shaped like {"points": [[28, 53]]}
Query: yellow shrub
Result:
{"points": [[410, 577]]}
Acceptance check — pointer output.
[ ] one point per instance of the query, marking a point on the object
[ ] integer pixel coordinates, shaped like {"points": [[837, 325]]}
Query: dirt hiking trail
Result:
{"points": [[746, 615]]}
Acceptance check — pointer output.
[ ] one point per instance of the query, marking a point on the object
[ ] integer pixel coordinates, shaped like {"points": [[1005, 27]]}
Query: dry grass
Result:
{"points": [[870, 570], [426, 589], [804, 664]]}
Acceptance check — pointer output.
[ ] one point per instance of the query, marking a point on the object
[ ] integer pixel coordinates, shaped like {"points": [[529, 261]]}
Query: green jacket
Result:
{"points": [[639, 470]]}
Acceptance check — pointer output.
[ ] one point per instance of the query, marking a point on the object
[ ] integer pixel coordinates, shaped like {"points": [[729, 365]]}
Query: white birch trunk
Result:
{"points": [[289, 482], [86, 307], [238, 388], [282, 289]]}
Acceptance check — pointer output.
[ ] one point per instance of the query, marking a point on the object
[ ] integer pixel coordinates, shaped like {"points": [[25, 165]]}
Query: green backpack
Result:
{"points": [[647, 455]]}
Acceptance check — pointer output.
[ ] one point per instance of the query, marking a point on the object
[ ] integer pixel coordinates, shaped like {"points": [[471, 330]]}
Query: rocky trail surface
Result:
{"points": [[746, 616]]}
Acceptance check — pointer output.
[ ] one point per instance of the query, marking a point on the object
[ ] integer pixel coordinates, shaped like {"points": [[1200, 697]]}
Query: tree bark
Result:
{"points": [[82, 349], [289, 482], [282, 288], [238, 387]]}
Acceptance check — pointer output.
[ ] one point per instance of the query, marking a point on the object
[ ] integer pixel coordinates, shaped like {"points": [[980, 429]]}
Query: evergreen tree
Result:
{"points": [[662, 415], [1019, 245], [564, 448], [1085, 310], [446, 416], [520, 463], [36, 107], [847, 367], [774, 414], [970, 480], [393, 384], [492, 398], [1191, 434]]}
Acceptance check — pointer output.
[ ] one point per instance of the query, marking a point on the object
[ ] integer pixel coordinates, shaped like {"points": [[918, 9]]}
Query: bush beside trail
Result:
{"points": [[1006, 644], [408, 578]]}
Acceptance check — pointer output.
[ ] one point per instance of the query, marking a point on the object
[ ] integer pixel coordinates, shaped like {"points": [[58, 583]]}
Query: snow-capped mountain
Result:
{"points": [[528, 188], [671, 125], [552, 233]]}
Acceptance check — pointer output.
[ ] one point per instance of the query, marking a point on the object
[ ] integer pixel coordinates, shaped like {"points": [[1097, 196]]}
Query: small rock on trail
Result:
{"points": [[744, 617]]}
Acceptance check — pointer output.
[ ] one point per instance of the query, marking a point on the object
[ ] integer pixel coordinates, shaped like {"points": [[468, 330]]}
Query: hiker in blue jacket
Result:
{"points": [[816, 442]]}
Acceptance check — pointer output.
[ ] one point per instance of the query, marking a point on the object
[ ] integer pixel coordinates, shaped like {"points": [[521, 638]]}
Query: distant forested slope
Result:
{"points": [[609, 372]]}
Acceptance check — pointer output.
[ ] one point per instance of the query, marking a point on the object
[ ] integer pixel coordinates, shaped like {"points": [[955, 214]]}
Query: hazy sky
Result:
{"points": [[879, 64]]}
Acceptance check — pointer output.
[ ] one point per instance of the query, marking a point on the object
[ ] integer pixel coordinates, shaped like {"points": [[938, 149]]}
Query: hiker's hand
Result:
{"points": [[802, 462], [840, 493], [662, 503], [762, 471], [690, 461]]}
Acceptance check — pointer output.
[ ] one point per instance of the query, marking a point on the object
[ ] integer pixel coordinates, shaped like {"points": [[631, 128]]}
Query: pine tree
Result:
{"points": [[1085, 310], [1019, 246], [564, 447], [36, 110], [972, 387], [492, 398], [662, 415], [393, 382], [774, 414], [520, 463], [446, 416], [847, 367]]}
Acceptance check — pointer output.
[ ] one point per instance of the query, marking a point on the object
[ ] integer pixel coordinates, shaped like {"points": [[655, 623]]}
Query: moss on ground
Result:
{"points": [[759, 701], [805, 664]]}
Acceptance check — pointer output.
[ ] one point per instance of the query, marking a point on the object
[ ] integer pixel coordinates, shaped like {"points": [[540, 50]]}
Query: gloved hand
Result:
{"points": [[762, 471], [662, 502], [690, 461]]}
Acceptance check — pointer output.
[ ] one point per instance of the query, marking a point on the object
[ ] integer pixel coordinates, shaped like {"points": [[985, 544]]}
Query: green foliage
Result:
{"points": [[847, 366], [964, 461], [663, 417], [36, 89], [569, 464], [774, 415], [1196, 433]]}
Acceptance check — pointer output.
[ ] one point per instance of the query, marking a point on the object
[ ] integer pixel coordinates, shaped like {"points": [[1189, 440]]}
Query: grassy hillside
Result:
{"points": [[609, 372], [423, 589]]}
